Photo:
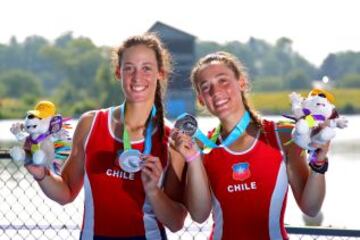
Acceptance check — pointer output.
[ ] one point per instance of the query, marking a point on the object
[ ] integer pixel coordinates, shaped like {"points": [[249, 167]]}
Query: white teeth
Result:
{"points": [[220, 102], [138, 88]]}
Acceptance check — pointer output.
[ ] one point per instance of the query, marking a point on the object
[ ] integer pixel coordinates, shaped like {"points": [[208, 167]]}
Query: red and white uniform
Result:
{"points": [[115, 202], [249, 189]]}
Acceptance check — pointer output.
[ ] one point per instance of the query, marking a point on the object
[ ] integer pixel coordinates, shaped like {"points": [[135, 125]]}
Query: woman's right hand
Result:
{"points": [[197, 197], [183, 143]]}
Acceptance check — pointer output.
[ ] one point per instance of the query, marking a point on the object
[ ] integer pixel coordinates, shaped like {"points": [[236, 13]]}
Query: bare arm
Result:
{"points": [[197, 191], [170, 212], [64, 188], [308, 187]]}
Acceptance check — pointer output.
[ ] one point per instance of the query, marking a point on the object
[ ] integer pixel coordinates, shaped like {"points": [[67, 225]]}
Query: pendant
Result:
{"points": [[187, 124], [130, 161]]}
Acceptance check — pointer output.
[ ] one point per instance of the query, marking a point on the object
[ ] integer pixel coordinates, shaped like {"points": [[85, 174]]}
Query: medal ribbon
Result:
{"points": [[149, 129], [237, 131]]}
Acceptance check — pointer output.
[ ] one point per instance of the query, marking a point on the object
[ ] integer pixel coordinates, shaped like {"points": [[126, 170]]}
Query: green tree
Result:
{"points": [[67, 94], [77, 62], [350, 81], [31, 53], [296, 80], [268, 84], [63, 40], [330, 67], [338, 65], [256, 52], [11, 55], [242, 52], [2, 90], [203, 48], [108, 89], [18, 83]]}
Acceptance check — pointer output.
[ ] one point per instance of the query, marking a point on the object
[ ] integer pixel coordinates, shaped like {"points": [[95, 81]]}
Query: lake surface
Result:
{"points": [[341, 207]]}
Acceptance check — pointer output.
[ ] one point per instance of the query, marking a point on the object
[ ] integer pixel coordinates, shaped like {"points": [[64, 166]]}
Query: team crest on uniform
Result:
{"points": [[241, 171]]}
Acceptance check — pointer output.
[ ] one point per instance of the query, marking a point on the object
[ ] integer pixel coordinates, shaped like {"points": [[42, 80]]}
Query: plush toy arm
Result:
{"points": [[18, 130], [295, 99], [17, 153], [340, 122], [296, 107]]}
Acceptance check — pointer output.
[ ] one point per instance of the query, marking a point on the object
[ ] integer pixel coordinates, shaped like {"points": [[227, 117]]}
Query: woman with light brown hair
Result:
{"points": [[119, 154], [243, 175]]}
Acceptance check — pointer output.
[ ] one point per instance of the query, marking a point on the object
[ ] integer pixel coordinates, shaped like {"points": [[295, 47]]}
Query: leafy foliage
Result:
{"points": [[18, 83], [77, 75]]}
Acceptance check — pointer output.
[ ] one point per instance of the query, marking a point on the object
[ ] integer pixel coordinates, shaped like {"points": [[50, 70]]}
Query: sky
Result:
{"points": [[316, 27]]}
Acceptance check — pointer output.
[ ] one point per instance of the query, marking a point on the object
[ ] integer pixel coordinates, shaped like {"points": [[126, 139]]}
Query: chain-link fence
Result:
{"points": [[26, 213]]}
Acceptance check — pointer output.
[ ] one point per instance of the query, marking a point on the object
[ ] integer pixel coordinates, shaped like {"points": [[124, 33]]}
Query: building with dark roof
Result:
{"points": [[180, 96]]}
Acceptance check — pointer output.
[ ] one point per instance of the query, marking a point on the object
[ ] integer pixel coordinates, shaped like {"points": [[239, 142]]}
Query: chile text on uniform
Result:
{"points": [[241, 187], [120, 174]]}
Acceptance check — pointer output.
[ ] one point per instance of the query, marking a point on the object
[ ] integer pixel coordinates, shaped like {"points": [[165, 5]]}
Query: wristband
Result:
{"points": [[192, 157], [319, 169], [46, 173]]}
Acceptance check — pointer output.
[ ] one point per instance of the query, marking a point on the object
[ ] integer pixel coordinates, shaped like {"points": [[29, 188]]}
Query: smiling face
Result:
{"points": [[139, 73], [318, 105], [219, 89], [34, 125]]}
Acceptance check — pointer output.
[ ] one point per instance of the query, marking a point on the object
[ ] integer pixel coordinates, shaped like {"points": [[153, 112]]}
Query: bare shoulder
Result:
{"points": [[84, 125], [87, 116], [73, 170]]}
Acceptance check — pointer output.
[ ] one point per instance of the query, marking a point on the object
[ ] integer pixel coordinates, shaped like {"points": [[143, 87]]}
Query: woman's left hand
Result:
{"points": [[321, 153], [151, 173]]}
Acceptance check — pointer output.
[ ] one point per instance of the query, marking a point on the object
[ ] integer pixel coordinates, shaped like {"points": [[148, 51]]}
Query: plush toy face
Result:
{"points": [[34, 125], [318, 105]]}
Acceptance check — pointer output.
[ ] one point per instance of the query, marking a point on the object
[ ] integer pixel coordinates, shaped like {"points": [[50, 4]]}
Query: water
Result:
{"points": [[341, 207]]}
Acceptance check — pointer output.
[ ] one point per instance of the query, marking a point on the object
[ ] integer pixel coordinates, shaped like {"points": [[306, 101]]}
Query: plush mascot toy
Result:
{"points": [[45, 140], [315, 118]]}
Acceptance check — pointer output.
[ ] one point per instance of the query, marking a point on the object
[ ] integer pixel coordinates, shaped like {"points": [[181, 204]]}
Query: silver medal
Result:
{"points": [[187, 124], [130, 161]]}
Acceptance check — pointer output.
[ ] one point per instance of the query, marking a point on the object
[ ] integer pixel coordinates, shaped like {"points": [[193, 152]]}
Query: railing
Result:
{"points": [[4, 154], [322, 233], [25, 213]]}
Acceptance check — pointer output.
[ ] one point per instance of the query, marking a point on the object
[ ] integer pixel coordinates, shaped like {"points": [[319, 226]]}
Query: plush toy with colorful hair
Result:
{"points": [[44, 137], [315, 118]]}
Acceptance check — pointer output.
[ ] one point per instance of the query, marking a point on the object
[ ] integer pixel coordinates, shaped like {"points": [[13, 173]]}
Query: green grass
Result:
{"points": [[347, 101]]}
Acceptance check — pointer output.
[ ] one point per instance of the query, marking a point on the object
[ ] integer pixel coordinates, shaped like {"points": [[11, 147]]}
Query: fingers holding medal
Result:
{"points": [[133, 161], [187, 124], [185, 128], [151, 170]]}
